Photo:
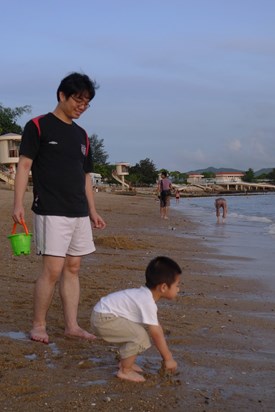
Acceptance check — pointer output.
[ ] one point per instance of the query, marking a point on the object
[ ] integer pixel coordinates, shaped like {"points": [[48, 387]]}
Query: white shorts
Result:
{"points": [[61, 236]]}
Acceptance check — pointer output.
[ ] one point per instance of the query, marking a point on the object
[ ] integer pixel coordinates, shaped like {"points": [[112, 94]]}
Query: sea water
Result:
{"points": [[247, 234]]}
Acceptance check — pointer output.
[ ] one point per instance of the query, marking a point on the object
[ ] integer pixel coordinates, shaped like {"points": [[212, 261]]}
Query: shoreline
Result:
{"points": [[246, 236], [220, 329]]}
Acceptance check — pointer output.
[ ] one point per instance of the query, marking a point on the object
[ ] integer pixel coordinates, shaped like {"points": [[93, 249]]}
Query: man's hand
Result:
{"points": [[98, 221], [18, 214]]}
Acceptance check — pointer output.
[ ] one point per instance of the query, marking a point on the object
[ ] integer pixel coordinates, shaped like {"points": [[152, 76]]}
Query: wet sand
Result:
{"points": [[220, 329]]}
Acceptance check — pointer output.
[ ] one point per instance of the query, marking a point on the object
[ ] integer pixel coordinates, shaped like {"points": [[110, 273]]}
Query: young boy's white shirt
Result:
{"points": [[136, 304]]}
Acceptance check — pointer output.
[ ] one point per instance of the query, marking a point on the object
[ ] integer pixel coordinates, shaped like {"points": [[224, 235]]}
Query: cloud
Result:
{"points": [[253, 45], [258, 148], [235, 145]]}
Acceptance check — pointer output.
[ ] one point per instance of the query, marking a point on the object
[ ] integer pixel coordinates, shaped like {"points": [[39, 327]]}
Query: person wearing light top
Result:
{"points": [[121, 317], [164, 190]]}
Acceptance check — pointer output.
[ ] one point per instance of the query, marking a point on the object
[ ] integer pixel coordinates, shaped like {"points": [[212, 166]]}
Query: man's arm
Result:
{"points": [[159, 340], [21, 183], [225, 206], [96, 219]]}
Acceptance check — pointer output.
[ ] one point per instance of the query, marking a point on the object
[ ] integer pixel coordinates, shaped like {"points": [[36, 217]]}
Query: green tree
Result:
{"points": [[263, 176], [143, 173], [271, 175], [105, 171], [99, 155], [249, 176], [8, 119], [165, 171], [183, 177], [178, 177], [209, 175]]}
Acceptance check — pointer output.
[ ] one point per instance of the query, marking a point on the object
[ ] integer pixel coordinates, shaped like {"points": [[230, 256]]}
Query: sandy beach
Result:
{"points": [[220, 329]]}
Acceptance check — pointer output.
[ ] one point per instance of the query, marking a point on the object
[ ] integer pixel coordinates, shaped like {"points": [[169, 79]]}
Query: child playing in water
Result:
{"points": [[120, 317]]}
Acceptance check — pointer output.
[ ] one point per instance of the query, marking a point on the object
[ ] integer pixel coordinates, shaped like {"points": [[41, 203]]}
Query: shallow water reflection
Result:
{"points": [[14, 335]]}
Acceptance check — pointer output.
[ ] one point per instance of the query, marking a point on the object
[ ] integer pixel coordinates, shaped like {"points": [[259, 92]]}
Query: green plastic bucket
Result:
{"points": [[20, 242]]}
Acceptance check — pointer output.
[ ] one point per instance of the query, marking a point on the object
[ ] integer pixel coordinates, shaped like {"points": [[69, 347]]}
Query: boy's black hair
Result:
{"points": [[160, 270], [77, 84]]}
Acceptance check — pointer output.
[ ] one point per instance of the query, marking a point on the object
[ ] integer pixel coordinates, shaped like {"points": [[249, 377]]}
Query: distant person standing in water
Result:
{"points": [[164, 189], [220, 203]]}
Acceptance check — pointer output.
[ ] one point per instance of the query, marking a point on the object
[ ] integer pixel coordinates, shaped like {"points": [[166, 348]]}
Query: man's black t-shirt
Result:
{"points": [[60, 163]]}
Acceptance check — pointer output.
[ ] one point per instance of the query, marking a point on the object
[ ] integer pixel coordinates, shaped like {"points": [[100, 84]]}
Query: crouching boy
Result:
{"points": [[120, 317]]}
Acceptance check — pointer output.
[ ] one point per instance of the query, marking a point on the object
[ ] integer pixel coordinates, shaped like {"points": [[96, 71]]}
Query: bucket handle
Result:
{"points": [[24, 226]]}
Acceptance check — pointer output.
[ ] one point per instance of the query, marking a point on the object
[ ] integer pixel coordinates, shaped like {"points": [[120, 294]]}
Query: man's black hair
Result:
{"points": [[77, 84], [160, 270]]}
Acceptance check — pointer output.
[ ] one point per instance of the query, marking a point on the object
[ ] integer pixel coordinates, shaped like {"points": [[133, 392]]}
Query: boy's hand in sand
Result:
{"points": [[170, 365]]}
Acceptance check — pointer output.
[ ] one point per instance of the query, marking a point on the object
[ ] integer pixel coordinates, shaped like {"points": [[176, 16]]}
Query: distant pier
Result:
{"points": [[223, 187]]}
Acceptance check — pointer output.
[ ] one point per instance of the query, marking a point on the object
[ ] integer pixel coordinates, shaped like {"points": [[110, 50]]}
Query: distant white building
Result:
{"points": [[9, 151], [195, 178], [220, 177], [96, 179], [228, 177]]}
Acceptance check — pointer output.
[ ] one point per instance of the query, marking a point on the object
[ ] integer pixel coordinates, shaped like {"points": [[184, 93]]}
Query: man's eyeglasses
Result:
{"points": [[81, 102]]}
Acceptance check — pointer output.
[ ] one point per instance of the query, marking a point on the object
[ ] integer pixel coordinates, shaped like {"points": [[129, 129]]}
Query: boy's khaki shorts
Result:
{"points": [[131, 335]]}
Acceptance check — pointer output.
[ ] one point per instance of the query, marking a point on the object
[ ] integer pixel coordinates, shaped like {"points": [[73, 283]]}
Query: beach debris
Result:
{"points": [[121, 242]]}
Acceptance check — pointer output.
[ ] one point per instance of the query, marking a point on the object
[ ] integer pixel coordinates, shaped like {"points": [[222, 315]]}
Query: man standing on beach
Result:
{"points": [[57, 152]]}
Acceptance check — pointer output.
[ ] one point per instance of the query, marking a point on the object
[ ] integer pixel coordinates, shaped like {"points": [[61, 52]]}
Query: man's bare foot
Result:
{"points": [[135, 367], [39, 334], [130, 376], [79, 333]]}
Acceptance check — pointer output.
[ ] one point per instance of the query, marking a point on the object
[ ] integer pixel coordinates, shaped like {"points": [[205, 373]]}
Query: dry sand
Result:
{"points": [[221, 329]]}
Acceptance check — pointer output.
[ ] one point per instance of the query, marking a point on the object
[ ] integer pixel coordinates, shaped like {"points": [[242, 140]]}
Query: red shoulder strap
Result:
{"points": [[36, 122]]}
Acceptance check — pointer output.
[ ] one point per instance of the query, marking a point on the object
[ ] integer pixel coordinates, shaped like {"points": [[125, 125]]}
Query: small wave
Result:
{"points": [[271, 229], [261, 219]]}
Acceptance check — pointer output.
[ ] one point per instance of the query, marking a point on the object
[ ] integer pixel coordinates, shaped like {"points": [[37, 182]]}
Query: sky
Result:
{"points": [[188, 84]]}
